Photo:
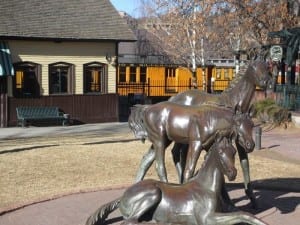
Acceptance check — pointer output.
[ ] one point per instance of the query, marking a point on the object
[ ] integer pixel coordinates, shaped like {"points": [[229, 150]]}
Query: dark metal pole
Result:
{"points": [[258, 132]]}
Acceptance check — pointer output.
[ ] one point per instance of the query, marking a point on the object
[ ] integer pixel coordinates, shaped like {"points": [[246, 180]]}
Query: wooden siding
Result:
{"points": [[82, 108], [77, 53]]}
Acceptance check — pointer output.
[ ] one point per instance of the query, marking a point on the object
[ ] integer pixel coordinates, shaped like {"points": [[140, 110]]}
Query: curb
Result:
{"points": [[16, 207]]}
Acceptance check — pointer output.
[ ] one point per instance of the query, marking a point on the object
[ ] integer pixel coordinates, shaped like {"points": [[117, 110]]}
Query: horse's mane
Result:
{"points": [[238, 77]]}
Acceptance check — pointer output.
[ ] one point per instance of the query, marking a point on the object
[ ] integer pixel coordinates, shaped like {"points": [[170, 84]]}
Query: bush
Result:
{"points": [[267, 111]]}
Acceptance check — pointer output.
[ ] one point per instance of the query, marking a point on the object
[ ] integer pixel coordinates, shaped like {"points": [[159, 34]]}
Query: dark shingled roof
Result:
{"points": [[62, 19]]}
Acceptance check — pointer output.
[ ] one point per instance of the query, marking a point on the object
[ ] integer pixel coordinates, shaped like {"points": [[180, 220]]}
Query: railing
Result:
{"points": [[153, 88], [288, 96]]}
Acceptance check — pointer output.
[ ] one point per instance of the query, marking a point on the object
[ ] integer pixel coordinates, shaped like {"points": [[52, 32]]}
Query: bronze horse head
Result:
{"points": [[263, 78]]}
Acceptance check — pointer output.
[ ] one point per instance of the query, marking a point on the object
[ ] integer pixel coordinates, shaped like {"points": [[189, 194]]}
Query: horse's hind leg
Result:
{"points": [[193, 154], [179, 153], [233, 218], [246, 173], [138, 201], [145, 164]]}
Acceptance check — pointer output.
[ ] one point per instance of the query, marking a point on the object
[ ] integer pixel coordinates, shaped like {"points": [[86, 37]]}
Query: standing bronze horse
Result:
{"points": [[240, 92], [196, 202], [196, 126]]}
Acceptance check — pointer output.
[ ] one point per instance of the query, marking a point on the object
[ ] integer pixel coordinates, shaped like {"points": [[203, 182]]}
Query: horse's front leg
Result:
{"points": [[194, 150], [246, 173], [160, 147], [145, 164], [233, 218]]}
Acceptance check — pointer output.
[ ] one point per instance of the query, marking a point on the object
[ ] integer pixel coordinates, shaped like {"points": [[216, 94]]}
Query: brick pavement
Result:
{"points": [[275, 208]]}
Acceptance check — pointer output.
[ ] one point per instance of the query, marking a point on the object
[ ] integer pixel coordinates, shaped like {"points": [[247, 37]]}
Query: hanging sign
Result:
{"points": [[276, 53]]}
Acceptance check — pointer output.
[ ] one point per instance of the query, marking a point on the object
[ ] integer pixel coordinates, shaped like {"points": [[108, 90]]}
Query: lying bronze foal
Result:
{"points": [[196, 202]]}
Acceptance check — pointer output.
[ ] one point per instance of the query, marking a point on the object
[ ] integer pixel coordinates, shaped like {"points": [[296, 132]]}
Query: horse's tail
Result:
{"points": [[136, 121], [99, 216]]}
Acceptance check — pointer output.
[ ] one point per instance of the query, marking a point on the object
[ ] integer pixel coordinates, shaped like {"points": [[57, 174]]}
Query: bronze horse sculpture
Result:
{"points": [[196, 202], [240, 91], [196, 126]]}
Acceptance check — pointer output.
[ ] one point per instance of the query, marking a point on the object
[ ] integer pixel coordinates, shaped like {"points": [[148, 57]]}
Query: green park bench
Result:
{"points": [[27, 114]]}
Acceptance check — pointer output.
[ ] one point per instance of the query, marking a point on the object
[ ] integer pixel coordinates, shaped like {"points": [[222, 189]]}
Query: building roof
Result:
{"points": [[62, 19]]}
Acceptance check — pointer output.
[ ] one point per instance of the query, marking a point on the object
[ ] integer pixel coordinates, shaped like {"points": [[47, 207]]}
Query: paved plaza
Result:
{"points": [[278, 204]]}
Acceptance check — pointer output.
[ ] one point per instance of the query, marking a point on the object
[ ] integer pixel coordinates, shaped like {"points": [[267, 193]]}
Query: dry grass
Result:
{"points": [[40, 168]]}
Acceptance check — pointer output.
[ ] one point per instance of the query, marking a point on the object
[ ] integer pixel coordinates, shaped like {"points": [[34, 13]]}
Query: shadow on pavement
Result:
{"points": [[270, 193], [26, 149]]}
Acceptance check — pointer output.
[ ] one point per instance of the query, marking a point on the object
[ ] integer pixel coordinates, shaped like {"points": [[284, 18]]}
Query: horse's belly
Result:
{"points": [[175, 219], [178, 139], [178, 133], [175, 208]]}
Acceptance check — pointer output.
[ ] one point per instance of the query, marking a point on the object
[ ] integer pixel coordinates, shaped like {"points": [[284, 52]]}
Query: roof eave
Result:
{"points": [[3, 37]]}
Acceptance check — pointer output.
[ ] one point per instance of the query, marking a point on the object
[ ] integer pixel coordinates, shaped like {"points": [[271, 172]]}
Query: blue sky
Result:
{"points": [[129, 6]]}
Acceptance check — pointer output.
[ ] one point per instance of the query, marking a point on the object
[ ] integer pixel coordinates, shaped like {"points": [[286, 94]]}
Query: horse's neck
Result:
{"points": [[241, 93], [210, 176]]}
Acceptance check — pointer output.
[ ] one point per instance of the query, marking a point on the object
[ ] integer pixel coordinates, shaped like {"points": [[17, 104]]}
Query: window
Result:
{"points": [[132, 75], [226, 73], [122, 74], [95, 77], [170, 79], [143, 73], [61, 78], [218, 71], [27, 79]]}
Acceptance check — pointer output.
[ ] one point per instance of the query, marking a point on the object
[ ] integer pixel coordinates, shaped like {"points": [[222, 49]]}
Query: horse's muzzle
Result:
{"points": [[231, 174]]}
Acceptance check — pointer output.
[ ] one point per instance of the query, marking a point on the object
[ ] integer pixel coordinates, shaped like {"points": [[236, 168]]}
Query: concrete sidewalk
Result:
{"points": [[103, 129]]}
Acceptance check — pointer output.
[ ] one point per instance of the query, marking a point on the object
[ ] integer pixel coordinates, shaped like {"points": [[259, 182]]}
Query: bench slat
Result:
{"points": [[26, 113]]}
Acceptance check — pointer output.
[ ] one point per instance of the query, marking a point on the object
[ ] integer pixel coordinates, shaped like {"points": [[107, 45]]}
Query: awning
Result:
{"points": [[6, 67]]}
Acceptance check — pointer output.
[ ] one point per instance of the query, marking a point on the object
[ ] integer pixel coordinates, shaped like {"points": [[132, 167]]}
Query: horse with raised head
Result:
{"points": [[196, 202], [240, 92]]}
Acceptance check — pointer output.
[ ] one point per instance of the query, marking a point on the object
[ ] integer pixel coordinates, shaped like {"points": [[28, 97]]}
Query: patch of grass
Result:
{"points": [[70, 164]]}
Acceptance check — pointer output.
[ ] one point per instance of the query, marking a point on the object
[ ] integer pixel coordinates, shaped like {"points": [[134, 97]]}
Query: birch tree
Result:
{"points": [[181, 27]]}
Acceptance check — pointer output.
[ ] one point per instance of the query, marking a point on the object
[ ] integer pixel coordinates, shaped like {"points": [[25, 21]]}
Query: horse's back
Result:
{"points": [[196, 97]]}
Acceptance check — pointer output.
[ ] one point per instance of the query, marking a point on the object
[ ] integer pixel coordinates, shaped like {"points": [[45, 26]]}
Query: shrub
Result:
{"points": [[267, 111]]}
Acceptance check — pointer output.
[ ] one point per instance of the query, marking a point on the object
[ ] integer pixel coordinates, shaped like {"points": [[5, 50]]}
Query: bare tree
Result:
{"points": [[252, 20], [181, 27], [191, 30]]}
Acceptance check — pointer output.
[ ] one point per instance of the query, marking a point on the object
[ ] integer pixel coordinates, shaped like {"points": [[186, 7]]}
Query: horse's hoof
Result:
{"points": [[253, 204], [249, 193]]}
